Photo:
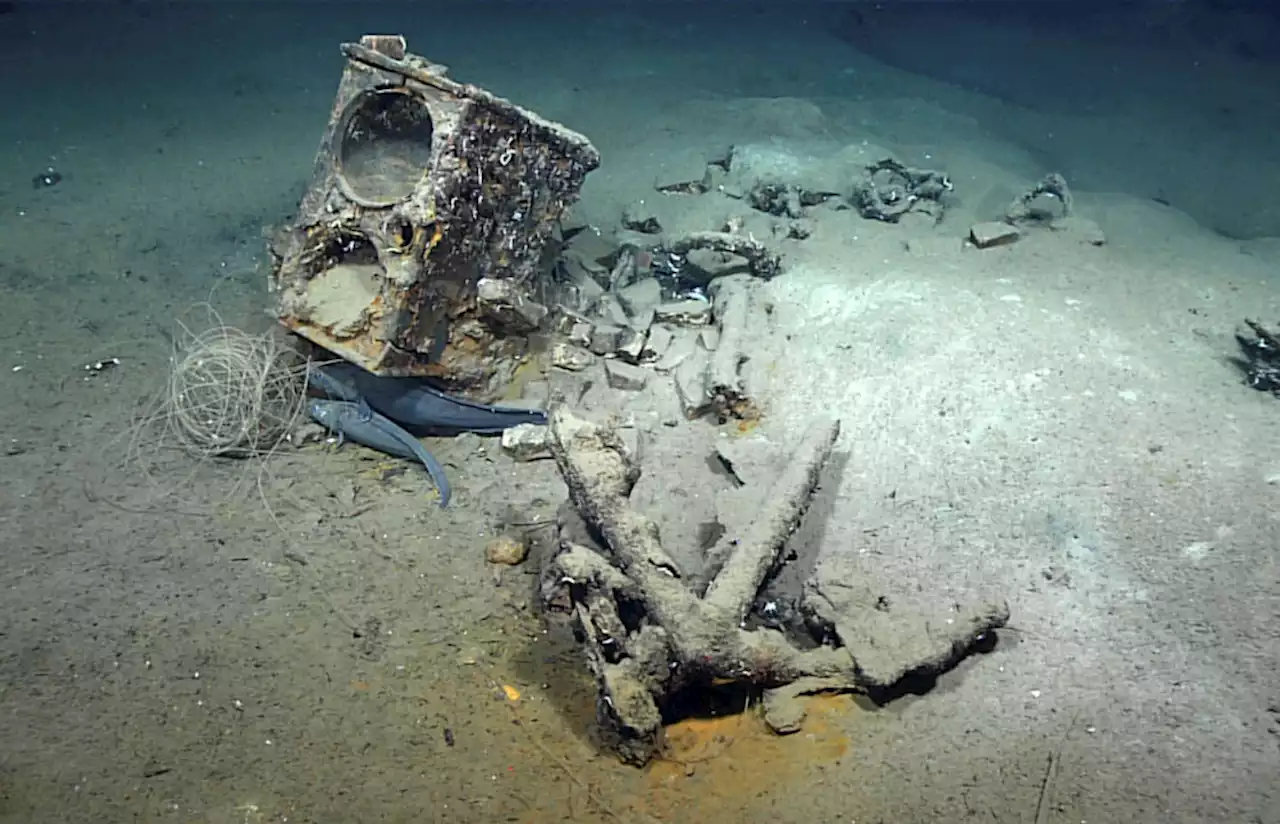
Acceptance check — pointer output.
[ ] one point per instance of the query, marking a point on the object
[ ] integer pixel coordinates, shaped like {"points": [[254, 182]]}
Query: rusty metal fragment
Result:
{"points": [[418, 247]]}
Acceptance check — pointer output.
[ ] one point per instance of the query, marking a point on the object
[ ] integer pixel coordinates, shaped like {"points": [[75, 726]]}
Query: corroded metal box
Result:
{"points": [[418, 247]]}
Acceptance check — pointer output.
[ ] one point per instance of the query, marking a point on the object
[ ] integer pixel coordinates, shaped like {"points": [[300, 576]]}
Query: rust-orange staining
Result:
{"points": [[419, 236], [697, 740], [728, 768], [717, 769]]}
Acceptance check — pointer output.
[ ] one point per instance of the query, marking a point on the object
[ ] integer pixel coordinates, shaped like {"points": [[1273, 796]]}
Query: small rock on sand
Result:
{"points": [[506, 550]]}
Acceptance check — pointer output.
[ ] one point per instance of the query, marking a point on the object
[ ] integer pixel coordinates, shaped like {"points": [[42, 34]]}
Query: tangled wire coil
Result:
{"points": [[234, 394]]}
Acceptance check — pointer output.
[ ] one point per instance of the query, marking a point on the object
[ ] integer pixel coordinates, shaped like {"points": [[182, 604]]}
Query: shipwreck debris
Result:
{"points": [[648, 636], [1261, 362], [633, 306], [638, 218], [888, 190], [1045, 203], [785, 199], [526, 442], [993, 233], [761, 261], [736, 311], [418, 247]]}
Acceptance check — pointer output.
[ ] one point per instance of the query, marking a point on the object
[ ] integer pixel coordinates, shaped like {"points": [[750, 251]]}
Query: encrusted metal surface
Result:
{"points": [[418, 247]]}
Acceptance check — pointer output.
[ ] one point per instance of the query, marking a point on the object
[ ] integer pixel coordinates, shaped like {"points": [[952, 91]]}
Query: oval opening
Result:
{"points": [[385, 147]]}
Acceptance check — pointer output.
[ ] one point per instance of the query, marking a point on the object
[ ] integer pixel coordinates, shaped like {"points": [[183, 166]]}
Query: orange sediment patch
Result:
{"points": [[714, 768], [729, 768]]}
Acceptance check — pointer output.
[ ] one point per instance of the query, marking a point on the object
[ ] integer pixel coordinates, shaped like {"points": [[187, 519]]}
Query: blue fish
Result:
{"points": [[357, 421], [415, 404]]}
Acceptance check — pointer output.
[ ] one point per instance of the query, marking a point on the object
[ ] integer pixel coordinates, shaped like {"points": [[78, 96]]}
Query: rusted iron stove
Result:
{"points": [[418, 248]]}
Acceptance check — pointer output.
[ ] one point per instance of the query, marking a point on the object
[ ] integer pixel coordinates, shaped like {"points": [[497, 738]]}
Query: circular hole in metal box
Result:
{"points": [[385, 146]]}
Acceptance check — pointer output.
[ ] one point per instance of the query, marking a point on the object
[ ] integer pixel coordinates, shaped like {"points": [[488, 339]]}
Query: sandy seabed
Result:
{"points": [[1054, 422]]}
